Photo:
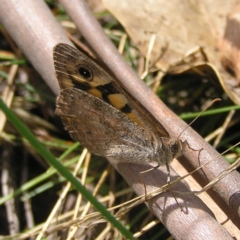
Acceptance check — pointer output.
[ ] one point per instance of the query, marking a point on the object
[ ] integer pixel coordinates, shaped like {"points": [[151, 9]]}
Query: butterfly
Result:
{"points": [[101, 114]]}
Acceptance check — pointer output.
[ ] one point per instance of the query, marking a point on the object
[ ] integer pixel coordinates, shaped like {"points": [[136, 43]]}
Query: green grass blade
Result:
{"points": [[25, 132]]}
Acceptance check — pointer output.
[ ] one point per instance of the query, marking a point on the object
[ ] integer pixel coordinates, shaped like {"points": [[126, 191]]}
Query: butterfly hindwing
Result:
{"points": [[103, 129]]}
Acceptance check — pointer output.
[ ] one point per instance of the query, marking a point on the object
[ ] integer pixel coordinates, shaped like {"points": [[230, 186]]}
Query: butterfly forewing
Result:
{"points": [[68, 60]]}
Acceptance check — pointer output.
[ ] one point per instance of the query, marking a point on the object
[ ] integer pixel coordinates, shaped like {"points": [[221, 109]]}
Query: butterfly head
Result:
{"points": [[177, 147], [170, 149]]}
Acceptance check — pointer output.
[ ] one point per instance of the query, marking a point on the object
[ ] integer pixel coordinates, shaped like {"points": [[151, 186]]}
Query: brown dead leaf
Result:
{"points": [[230, 51], [179, 26]]}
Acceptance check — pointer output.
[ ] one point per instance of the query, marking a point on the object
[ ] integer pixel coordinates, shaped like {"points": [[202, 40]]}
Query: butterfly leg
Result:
{"points": [[169, 185], [145, 188]]}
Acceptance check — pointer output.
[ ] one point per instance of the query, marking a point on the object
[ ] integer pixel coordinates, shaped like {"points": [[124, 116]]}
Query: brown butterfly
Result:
{"points": [[100, 114]]}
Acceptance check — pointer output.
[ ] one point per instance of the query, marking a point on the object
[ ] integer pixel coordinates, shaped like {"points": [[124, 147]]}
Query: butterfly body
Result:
{"points": [[98, 112]]}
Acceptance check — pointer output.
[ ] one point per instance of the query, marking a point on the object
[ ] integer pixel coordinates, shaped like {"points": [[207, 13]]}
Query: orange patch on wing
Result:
{"points": [[133, 116], [99, 81], [117, 100], [95, 92]]}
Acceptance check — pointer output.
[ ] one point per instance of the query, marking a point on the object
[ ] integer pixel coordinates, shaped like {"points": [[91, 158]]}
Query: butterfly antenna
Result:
{"points": [[208, 106]]}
